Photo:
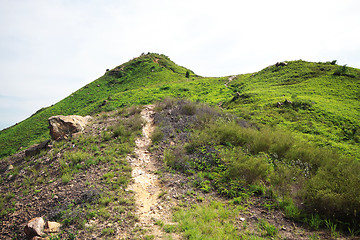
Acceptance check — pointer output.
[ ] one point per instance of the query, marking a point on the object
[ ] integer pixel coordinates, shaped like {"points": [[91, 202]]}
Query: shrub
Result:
{"points": [[260, 141], [120, 131], [282, 143], [133, 110], [169, 158], [188, 108], [135, 122], [247, 168], [333, 191], [157, 135], [341, 71]]}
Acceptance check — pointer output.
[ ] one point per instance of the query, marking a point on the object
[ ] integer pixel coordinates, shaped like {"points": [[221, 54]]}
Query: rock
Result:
{"points": [[103, 103], [281, 64], [279, 104], [52, 227], [39, 238], [287, 102], [10, 167], [34, 227], [35, 149], [63, 127]]}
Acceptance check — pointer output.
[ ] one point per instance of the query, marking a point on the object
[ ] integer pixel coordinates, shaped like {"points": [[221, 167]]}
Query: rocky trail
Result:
{"points": [[146, 185]]}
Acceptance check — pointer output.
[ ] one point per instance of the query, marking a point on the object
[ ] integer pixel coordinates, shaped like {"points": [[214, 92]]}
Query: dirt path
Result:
{"points": [[230, 79], [146, 185]]}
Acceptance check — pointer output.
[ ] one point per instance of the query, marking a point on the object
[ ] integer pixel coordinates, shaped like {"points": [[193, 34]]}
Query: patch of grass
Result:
{"points": [[207, 221], [66, 178], [315, 221], [168, 228], [108, 231], [267, 228]]}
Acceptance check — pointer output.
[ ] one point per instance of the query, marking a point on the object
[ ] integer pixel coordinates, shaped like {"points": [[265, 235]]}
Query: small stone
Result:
{"points": [[39, 238], [53, 227], [10, 167]]}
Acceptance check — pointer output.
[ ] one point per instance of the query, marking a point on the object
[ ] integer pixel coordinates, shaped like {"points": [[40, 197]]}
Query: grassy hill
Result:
{"points": [[324, 98], [289, 133], [324, 110], [141, 72]]}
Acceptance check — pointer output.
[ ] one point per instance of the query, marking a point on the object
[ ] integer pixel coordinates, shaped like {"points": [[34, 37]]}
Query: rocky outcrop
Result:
{"points": [[63, 127], [281, 64], [35, 149]]}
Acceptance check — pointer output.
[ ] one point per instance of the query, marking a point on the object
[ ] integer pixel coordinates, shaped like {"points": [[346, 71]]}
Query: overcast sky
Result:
{"points": [[51, 48]]}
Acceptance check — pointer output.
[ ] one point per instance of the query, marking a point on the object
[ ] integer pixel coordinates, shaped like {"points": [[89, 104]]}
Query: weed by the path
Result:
{"points": [[207, 221], [267, 228]]}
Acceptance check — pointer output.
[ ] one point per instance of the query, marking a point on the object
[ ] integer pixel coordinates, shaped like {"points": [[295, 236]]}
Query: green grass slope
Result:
{"points": [[146, 70], [323, 102], [324, 98]]}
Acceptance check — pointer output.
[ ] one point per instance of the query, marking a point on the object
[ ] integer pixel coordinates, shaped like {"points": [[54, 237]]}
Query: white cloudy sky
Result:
{"points": [[51, 48]]}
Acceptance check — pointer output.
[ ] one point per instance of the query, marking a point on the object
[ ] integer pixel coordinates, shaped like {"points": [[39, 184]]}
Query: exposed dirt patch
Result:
{"points": [[230, 80], [146, 185]]}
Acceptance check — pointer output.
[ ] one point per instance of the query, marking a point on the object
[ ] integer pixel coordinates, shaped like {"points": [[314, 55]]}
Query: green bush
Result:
{"points": [[188, 108], [341, 71], [333, 191], [120, 131], [157, 135], [250, 169]]}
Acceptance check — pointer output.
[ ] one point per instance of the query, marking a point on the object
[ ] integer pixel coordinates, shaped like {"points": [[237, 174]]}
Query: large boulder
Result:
{"points": [[63, 127], [35, 227]]}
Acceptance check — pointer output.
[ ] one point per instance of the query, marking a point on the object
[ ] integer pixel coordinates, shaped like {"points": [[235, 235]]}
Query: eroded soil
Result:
{"points": [[146, 185]]}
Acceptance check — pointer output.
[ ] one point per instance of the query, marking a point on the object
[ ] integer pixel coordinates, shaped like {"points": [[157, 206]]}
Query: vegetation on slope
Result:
{"points": [[80, 182], [293, 134], [324, 99], [319, 104], [142, 72], [224, 153]]}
